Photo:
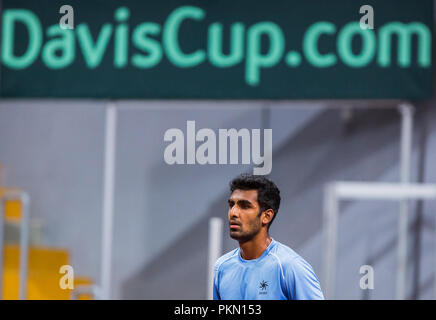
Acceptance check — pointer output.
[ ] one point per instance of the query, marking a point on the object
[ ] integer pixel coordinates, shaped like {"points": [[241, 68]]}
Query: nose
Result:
{"points": [[233, 212]]}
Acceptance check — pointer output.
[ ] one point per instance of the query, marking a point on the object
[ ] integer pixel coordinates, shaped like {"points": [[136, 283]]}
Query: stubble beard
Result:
{"points": [[242, 236]]}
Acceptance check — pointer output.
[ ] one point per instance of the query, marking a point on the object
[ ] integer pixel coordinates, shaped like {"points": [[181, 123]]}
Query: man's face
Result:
{"points": [[244, 215]]}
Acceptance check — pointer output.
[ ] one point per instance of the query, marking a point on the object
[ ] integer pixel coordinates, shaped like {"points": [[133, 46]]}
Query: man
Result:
{"points": [[261, 268]]}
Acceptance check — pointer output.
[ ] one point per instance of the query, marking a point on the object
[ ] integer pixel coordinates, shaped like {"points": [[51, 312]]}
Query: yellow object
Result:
{"points": [[12, 208], [43, 274]]}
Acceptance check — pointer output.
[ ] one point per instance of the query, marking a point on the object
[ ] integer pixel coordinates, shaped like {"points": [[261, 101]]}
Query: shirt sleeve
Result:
{"points": [[302, 283], [216, 295]]}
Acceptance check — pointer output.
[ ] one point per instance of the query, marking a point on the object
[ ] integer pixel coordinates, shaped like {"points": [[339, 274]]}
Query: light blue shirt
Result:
{"points": [[278, 274]]}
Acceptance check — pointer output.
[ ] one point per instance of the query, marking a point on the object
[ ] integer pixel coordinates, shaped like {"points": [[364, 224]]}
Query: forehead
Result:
{"points": [[250, 195]]}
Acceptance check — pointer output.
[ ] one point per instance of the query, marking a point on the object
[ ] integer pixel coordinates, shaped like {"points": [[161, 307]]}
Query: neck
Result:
{"points": [[254, 248]]}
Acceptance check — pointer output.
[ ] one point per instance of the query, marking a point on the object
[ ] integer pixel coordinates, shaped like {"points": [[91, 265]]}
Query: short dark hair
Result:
{"points": [[268, 195]]}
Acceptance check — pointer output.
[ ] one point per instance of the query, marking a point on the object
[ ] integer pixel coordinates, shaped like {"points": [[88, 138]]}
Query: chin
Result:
{"points": [[240, 237], [234, 235]]}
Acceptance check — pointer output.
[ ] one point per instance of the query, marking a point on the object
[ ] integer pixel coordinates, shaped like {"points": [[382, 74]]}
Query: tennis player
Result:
{"points": [[261, 268]]}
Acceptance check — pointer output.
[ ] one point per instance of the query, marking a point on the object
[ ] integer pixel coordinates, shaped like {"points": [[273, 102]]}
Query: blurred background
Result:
{"points": [[84, 177]]}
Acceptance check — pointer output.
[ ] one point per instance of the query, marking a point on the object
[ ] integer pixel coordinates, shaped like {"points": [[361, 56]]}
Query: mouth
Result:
{"points": [[234, 225]]}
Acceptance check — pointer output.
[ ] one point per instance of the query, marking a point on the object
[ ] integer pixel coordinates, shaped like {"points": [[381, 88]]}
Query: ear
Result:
{"points": [[267, 216]]}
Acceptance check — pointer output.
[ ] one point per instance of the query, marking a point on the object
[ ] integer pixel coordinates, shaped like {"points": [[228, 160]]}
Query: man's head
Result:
{"points": [[253, 204]]}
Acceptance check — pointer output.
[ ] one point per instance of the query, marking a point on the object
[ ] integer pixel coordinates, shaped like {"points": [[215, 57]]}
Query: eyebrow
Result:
{"points": [[240, 202]]}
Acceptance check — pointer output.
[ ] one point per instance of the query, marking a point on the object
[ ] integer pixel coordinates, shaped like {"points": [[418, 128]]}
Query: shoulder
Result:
{"points": [[225, 258], [284, 253], [300, 278], [290, 260]]}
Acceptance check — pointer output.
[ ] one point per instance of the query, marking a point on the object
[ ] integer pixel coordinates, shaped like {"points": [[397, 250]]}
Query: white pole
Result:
{"points": [[24, 199], [108, 200], [406, 111], [345, 190], [24, 244], [330, 238], [215, 249]]}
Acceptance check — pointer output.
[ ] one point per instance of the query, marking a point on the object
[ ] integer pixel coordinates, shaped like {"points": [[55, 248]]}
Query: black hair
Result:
{"points": [[268, 195]]}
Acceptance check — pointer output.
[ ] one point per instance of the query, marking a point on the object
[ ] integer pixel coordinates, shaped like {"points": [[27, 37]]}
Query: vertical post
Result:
{"points": [[24, 245], [406, 111], [24, 241], [330, 212], [108, 199], [215, 248]]}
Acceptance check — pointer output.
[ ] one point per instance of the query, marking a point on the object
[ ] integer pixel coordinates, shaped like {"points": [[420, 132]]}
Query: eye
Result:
{"points": [[244, 205], [231, 204]]}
